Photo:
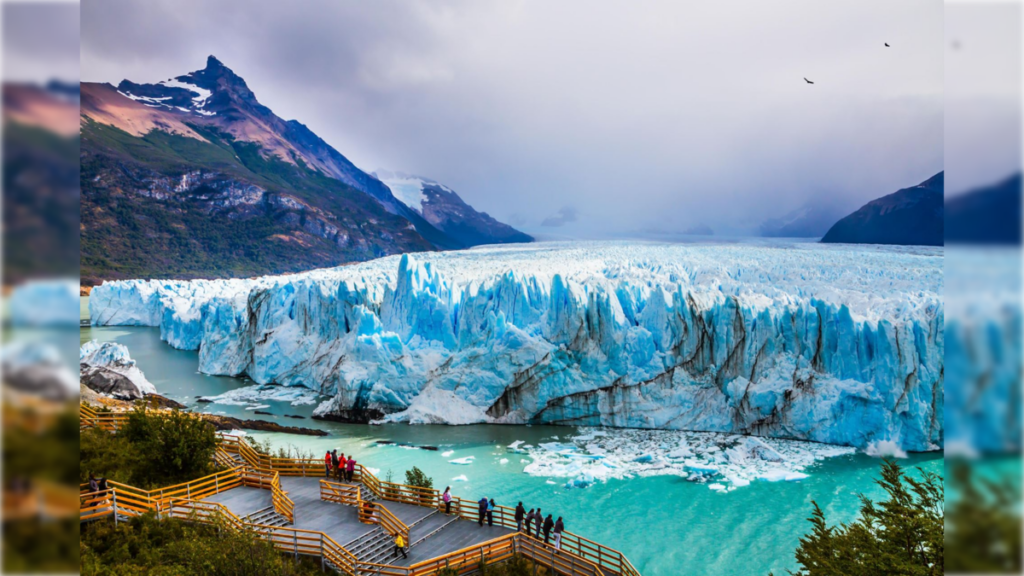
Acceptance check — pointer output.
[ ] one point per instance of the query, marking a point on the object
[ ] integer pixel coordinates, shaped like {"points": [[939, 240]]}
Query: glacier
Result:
{"points": [[829, 343]]}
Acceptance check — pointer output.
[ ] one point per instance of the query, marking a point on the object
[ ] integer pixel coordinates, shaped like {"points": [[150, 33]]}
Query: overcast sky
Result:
{"points": [[622, 116]]}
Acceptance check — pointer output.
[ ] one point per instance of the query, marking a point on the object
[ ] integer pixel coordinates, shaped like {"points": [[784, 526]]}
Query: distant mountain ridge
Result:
{"points": [[986, 215], [811, 220], [447, 211], [910, 216], [199, 156]]}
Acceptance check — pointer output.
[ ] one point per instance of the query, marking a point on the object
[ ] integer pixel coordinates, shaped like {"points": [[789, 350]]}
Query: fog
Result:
{"points": [[585, 118]]}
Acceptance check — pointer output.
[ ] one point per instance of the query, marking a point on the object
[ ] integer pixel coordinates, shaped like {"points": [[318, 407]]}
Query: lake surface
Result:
{"points": [[666, 525]]}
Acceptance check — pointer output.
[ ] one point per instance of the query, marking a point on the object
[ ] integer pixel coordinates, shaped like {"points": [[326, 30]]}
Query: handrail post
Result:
{"points": [[113, 495]]}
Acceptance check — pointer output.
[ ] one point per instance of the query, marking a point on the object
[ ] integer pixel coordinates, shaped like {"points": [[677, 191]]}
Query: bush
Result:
{"points": [[145, 545], [901, 535], [154, 449], [416, 477]]}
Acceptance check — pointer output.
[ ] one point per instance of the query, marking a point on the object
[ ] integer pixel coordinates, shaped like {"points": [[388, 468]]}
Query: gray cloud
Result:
{"points": [[565, 215], [672, 115]]}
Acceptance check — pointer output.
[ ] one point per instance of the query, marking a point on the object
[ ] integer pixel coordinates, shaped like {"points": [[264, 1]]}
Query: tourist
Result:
{"points": [[529, 520], [490, 512], [368, 512], [400, 545], [334, 461], [327, 465], [540, 521], [339, 470], [482, 510], [103, 484], [559, 528], [447, 498], [548, 525], [94, 486], [350, 468], [520, 513]]}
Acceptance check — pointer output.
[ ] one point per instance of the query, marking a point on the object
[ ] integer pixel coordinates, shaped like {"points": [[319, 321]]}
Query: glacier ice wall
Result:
{"points": [[830, 343], [984, 355]]}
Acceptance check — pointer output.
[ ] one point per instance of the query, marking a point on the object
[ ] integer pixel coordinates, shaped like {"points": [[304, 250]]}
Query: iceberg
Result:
{"points": [[112, 357], [835, 344]]}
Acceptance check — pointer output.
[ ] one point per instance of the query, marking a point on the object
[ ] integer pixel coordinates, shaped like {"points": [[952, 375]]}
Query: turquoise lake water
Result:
{"points": [[665, 525]]}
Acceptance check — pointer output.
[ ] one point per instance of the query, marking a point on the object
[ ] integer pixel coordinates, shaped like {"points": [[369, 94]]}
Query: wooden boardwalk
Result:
{"points": [[431, 533]]}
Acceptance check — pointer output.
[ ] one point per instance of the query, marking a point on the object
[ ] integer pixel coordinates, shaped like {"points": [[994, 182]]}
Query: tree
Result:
{"points": [[416, 477], [901, 535], [178, 446], [984, 524]]}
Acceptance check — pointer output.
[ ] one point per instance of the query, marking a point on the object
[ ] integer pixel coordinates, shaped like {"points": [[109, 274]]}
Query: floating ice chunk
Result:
{"points": [[503, 461], [885, 448], [717, 487], [248, 395], [258, 407], [447, 453], [463, 461], [460, 478]]}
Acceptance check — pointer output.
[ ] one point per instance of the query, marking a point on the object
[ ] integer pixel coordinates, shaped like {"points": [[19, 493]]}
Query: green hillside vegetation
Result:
{"points": [[126, 235]]}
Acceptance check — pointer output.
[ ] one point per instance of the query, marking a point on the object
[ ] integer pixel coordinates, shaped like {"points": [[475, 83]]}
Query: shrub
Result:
{"points": [[145, 545]]}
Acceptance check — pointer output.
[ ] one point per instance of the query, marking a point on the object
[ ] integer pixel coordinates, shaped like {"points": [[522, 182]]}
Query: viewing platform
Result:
{"points": [[350, 527]]}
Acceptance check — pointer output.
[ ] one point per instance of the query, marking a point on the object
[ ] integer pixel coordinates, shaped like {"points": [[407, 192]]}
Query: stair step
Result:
{"points": [[436, 530]]}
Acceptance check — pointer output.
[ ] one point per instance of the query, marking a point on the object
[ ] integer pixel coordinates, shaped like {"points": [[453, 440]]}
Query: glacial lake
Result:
{"points": [[666, 525]]}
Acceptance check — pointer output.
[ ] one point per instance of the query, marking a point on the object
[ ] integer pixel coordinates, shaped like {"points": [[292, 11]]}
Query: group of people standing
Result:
{"points": [[547, 525], [343, 468], [525, 521]]}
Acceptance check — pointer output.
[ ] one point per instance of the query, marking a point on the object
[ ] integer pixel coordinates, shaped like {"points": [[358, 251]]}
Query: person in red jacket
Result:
{"points": [[339, 471], [327, 465]]}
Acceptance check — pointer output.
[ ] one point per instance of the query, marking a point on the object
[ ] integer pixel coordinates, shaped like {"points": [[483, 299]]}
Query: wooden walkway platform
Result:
{"points": [[443, 534]]}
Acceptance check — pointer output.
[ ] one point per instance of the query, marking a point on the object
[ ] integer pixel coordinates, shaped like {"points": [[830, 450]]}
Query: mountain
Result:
{"points": [[192, 177], [987, 215], [911, 216], [809, 221], [444, 209]]}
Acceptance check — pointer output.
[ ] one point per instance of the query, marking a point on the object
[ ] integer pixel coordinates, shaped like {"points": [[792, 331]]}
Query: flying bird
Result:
{"points": [[808, 81], [886, 44]]}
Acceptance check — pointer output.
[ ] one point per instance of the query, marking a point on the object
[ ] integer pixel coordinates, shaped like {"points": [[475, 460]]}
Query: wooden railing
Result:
{"points": [[373, 512], [283, 505], [347, 494], [131, 501], [202, 511]]}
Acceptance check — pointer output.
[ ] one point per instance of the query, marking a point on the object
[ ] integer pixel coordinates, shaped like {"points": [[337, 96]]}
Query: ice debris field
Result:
{"points": [[722, 461], [830, 343]]}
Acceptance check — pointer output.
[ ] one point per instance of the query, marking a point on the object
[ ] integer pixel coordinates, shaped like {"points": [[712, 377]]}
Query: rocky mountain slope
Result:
{"points": [[447, 211], [911, 216]]}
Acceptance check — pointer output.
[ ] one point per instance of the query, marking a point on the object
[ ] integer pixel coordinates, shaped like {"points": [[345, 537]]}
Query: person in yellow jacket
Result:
{"points": [[400, 545]]}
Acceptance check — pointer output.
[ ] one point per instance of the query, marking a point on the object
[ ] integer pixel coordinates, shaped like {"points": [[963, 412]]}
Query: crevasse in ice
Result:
{"points": [[830, 343]]}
